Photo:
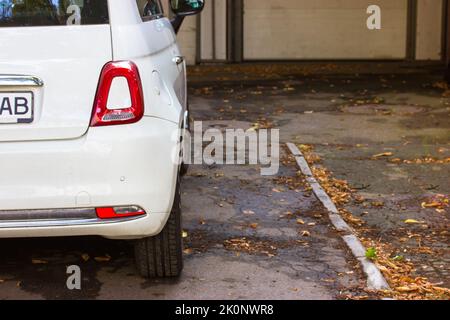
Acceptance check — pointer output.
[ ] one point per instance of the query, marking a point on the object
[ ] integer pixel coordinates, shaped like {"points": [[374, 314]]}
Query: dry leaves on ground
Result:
{"points": [[439, 202], [398, 271], [443, 86], [293, 183], [423, 160], [338, 190], [350, 218], [250, 246], [262, 123], [269, 71]]}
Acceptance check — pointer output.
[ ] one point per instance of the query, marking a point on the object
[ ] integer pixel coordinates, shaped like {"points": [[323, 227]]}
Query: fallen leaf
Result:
{"points": [[306, 233], [406, 289], [105, 258], [200, 175], [188, 251], [396, 160], [37, 261], [383, 269], [430, 205], [378, 204], [413, 221], [184, 234], [85, 257], [381, 155], [254, 225], [300, 221]]}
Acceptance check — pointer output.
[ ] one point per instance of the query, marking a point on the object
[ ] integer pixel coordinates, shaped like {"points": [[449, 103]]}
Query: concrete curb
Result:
{"points": [[375, 279]]}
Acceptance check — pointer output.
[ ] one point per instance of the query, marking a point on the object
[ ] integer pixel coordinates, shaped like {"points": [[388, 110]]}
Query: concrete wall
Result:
{"points": [[429, 29], [319, 29], [323, 29], [187, 39], [213, 22]]}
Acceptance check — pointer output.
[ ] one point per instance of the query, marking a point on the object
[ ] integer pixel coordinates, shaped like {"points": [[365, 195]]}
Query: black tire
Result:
{"points": [[161, 256]]}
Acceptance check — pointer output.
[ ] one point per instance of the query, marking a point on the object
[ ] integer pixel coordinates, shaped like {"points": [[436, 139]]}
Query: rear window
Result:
{"points": [[33, 13]]}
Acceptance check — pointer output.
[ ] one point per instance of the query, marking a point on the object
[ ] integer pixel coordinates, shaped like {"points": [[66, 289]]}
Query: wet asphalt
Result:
{"points": [[243, 236]]}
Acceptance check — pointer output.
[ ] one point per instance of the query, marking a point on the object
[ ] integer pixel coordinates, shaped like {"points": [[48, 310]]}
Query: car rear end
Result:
{"points": [[79, 154]]}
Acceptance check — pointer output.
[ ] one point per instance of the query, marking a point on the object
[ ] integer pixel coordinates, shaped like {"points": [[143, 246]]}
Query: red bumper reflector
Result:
{"points": [[117, 213]]}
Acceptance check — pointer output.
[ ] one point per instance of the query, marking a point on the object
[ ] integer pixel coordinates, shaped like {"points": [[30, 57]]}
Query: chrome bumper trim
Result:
{"points": [[54, 218], [20, 81], [53, 214]]}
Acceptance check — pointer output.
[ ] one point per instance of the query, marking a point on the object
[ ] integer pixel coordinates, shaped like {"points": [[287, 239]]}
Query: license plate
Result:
{"points": [[16, 107]]}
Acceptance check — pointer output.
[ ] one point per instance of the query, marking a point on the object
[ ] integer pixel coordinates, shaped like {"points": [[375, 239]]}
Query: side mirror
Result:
{"points": [[183, 8]]}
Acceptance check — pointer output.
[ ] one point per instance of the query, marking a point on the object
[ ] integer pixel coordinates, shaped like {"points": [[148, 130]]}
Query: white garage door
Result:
{"points": [[323, 29]]}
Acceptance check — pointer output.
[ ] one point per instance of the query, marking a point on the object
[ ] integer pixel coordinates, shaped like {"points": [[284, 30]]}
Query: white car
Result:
{"points": [[92, 97]]}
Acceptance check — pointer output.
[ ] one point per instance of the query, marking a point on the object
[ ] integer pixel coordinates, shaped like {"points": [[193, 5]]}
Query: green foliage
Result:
{"points": [[371, 253]]}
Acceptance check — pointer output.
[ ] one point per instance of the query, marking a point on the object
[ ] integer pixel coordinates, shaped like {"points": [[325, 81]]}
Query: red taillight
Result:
{"points": [[119, 212], [101, 115]]}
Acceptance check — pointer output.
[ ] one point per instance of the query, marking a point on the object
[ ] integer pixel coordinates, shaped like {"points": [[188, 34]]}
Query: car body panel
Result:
{"points": [[59, 162], [162, 78], [109, 166], [69, 66]]}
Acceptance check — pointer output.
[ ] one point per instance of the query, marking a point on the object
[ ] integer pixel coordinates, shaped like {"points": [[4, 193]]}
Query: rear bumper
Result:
{"points": [[109, 166]]}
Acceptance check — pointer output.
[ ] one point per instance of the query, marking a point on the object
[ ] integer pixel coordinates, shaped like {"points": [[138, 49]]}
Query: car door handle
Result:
{"points": [[178, 60]]}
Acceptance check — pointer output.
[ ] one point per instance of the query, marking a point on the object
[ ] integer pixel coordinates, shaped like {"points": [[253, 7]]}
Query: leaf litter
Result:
{"points": [[400, 272]]}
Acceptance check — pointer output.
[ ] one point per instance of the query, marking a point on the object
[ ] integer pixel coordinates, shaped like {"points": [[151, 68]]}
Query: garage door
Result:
{"points": [[323, 29]]}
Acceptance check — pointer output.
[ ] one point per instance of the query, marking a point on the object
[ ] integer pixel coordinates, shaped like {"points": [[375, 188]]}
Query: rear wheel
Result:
{"points": [[161, 256]]}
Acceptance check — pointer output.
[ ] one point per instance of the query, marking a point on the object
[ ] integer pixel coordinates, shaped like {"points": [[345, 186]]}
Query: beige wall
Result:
{"points": [[323, 29], [187, 39], [319, 29], [210, 49], [429, 30]]}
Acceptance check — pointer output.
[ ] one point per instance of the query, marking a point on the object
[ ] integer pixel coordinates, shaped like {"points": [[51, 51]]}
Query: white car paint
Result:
{"points": [[61, 58], [58, 161]]}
